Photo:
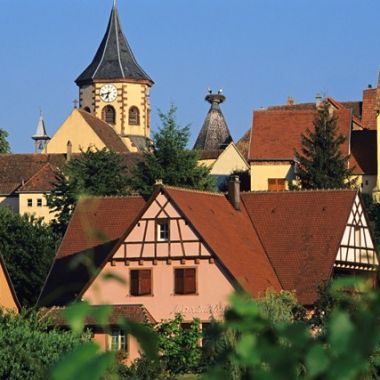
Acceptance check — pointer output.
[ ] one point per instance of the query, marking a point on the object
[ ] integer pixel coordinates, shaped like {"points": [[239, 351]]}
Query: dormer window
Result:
{"points": [[109, 115], [134, 116], [163, 230]]}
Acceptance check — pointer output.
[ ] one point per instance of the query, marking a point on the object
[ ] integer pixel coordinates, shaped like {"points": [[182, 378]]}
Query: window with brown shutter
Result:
{"points": [[276, 184], [140, 282], [185, 281]]}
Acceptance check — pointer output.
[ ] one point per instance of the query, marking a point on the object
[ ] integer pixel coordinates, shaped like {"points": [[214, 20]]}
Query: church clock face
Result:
{"points": [[108, 93]]}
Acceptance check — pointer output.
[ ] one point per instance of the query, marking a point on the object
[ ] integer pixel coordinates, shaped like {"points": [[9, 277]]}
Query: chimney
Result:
{"points": [[290, 101], [234, 191], [159, 183], [69, 152]]}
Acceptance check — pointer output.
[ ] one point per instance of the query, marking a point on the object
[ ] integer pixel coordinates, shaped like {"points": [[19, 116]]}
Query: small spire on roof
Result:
{"points": [[114, 3], [40, 137]]}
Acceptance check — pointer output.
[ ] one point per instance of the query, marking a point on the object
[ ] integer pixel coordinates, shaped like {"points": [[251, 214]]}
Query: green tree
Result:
{"points": [[321, 164], [29, 346], [4, 144], [94, 172], [170, 161], [28, 247]]}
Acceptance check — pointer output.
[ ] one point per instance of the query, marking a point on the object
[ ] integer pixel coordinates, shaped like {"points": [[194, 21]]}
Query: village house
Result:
{"points": [[276, 135], [185, 251]]}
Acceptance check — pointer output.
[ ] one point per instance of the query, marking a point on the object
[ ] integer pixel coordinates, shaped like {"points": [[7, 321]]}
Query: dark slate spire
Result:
{"points": [[114, 58], [214, 135]]}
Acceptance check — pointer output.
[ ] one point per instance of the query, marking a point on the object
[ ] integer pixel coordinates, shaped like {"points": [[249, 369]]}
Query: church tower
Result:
{"points": [[115, 88]]}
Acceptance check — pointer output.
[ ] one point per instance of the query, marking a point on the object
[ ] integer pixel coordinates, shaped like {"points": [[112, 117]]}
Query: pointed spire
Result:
{"points": [[40, 137], [41, 130], [114, 58], [214, 135]]}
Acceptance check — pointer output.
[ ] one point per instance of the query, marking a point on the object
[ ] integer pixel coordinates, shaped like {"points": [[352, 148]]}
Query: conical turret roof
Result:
{"points": [[114, 58], [214, 134], [41, 130]]}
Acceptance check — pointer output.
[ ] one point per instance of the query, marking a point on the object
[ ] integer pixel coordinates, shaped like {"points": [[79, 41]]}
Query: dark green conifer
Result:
{"points": [[321, 163]]}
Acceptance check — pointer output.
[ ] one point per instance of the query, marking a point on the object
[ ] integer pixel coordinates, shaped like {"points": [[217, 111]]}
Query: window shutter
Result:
{"points": [[179, 280], [145, 283], [134, 282], [189, 281]]}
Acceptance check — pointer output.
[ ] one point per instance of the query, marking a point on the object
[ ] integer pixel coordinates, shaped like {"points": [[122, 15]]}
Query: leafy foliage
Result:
{"points": [[87, 361], [280, 306], [179, 349], [28, 247], [345, 349], [320, 164], [4, 144], [170, 161], [94, 172], [28, 346]]}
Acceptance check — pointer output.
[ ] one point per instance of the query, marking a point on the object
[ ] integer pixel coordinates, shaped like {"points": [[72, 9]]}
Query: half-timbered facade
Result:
{"points": [[357, 250], [186, 251], [163, 258]]}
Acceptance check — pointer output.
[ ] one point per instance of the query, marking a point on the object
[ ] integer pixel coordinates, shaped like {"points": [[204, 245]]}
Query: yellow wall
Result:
{"points": [[6, 297], [76, 130], [39, 212], [129, 94], [228, 161], [208, 163], [261, 173]]}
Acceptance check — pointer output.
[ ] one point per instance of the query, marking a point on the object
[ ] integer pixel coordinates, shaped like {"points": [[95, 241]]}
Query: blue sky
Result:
{"points": [[258, 51]]}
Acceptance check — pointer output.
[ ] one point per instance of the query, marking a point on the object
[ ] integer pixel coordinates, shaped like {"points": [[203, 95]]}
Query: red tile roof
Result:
{"points": [[230, 235], [277, 134], [136, 313], [96, 226], [364, 152], [279, 240], [42, 181], [301, 232], [243, 144], [369, 113], [17, 169]]}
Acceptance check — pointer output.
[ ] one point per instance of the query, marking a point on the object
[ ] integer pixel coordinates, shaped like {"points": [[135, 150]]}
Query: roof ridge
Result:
{"points": [[297, 191], [192, 190], [110, 196]]}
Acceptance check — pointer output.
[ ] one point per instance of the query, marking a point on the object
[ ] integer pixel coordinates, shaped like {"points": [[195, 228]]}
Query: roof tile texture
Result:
{"points": [[369, 108], [277, 134], [301, 232], [105, 132], [279, 240], [231, 236]]}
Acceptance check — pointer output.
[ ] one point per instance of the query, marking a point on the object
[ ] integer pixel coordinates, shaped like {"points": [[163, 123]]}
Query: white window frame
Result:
{"points": [[117, 340], [163, 230]]}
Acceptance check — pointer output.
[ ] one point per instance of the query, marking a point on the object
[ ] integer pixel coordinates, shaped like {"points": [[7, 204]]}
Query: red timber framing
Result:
{"points": [[143, 242], [357, 249]]}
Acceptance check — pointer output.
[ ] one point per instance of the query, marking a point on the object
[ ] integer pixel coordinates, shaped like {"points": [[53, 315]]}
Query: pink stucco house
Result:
{"points": [[185, 251]]}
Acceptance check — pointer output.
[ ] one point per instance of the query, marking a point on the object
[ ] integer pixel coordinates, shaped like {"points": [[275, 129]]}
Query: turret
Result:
{"points": [[40, 137], [214, 135]]}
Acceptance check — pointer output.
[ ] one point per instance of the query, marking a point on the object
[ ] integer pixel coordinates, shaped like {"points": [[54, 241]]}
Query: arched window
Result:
{"points": [[109, 115], [87, 109], [134, 116]]}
